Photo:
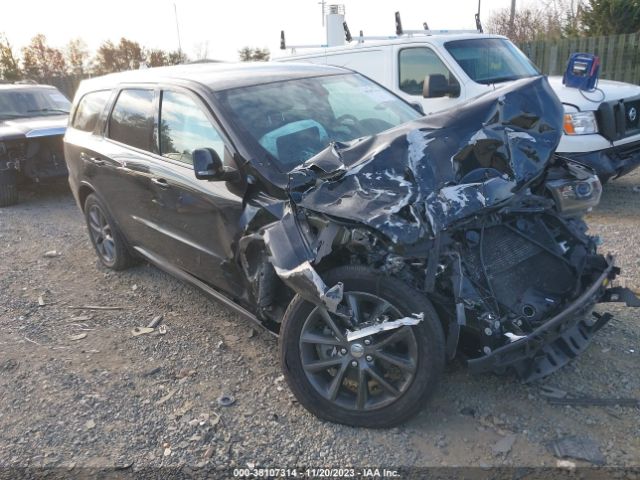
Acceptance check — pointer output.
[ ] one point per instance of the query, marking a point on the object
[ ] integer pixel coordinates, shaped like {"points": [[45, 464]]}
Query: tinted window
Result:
{"points": [[184, 127], [131, 121], [89, 110], [491, 60], [417, 63]]}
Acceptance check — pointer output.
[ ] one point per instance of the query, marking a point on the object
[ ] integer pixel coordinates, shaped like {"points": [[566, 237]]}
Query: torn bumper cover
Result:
{"points": [[610, 162], [560, 339]]}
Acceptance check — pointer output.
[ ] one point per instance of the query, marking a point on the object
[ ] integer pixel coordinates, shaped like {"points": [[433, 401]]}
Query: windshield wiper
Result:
{"points": [[48, 110], [490, 81], [9, 116]]}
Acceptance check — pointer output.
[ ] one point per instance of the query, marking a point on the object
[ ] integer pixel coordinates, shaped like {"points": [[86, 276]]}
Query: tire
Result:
{"points": [[8, 188], [108, 242], [423, 356]]}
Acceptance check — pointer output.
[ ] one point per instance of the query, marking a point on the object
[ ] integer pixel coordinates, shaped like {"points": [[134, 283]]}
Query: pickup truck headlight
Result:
{"points": [[580, 123]]}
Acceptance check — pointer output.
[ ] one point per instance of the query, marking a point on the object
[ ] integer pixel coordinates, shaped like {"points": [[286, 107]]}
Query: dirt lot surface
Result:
{"points": [[79, 390]]}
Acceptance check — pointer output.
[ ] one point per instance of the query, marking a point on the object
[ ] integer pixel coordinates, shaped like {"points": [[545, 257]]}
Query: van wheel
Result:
{"points": [[377, 381], [8, 188], [107, 240]]}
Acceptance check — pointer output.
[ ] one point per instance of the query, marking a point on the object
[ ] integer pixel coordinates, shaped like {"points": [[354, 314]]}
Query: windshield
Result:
{"points": [[23, 103], [491, 60], [295, 119]]}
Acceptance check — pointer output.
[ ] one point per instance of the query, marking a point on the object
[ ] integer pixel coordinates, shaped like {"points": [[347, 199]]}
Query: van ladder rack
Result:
{"points": [[400, 33]]}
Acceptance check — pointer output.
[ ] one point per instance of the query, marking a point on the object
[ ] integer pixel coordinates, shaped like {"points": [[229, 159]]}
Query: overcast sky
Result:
{"points": [[223, 26]]}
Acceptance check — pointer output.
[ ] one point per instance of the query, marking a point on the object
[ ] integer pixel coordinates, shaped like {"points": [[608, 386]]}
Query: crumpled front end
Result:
{"points": [[472, 209]]}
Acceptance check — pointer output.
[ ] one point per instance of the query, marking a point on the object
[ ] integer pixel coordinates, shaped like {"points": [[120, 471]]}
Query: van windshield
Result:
{"points": [[293, 120], [491, 60]]}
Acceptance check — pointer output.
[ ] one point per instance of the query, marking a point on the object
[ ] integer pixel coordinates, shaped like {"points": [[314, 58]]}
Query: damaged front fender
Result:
{"points": [[291, 256]]}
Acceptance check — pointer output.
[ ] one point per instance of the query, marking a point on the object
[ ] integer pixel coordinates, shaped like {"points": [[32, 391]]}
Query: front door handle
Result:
{"points": [[161, 182], [94, 160]]}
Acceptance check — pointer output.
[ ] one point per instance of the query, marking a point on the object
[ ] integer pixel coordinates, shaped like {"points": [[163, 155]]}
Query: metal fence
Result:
{"points": [[619, 55]]}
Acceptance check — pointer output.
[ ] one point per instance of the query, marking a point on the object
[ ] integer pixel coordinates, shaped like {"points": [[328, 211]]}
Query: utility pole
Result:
{"points": [[512, 17], [323, 3], [175, 11]]}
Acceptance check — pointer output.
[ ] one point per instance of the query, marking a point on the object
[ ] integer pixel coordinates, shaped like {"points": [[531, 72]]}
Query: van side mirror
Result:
{"points": [[207, 165], [437, 85]]}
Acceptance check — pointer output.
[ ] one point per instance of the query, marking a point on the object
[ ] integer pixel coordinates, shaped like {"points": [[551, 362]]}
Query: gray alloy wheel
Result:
{"points": [[100, 232], [365, 374], [107, 240], [379, 380]]}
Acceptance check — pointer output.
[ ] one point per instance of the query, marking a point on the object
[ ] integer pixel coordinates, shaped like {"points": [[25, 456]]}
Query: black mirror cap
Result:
{"points": [[437, 85], [418, 107], [207, 165]]}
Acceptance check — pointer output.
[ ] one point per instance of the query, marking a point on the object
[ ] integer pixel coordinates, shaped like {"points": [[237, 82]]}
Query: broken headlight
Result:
{"points": [[575, 196], [580, 123]]}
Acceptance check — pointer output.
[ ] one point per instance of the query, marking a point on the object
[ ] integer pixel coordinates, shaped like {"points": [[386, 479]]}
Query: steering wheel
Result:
{"points": [[347, 116]]}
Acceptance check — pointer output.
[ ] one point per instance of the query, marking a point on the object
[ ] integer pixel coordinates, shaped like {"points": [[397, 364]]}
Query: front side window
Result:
{"points": [[131, 120], [293, 120], [415, 64], [185, 127], [89, 110], [491, 60]]}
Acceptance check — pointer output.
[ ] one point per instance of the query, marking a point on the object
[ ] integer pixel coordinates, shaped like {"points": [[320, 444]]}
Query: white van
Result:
{"points": [[440, 70]]}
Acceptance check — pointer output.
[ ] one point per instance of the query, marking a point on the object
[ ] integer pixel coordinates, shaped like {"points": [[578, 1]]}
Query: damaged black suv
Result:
{"points": [[33, 119], [378, 244]]}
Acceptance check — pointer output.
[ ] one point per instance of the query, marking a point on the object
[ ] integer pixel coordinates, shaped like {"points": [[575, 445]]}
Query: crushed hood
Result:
{"points": [[42, 126], [419, 178]]}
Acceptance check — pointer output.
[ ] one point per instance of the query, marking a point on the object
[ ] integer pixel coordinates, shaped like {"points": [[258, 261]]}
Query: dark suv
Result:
{"points": [[33, 119], [378, 244]]}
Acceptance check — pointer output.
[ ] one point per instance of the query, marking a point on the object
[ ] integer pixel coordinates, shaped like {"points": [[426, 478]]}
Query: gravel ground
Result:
{"points": [[79, 390]]}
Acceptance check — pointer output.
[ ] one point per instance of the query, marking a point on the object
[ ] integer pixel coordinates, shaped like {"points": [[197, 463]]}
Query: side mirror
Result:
{"points": [[417, 107], [437, 85], [207, 165]]}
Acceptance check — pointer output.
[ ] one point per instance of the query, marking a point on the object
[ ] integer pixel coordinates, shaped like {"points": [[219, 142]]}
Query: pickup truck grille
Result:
{"points": [[632, 115], [619, 119]]}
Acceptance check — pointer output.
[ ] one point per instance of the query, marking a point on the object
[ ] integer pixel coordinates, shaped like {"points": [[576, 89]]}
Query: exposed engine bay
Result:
{"points": [[35, 158], [472, 208]]}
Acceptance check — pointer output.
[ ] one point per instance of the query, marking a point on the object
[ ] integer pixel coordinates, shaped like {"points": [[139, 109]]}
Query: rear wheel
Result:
{"points": [[379, 380], [107, 240], [8, 187]]}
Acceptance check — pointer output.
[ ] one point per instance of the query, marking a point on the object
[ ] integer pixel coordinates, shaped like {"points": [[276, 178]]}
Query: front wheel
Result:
{"points": [[106, 238], [378, 381], [8, 187]]}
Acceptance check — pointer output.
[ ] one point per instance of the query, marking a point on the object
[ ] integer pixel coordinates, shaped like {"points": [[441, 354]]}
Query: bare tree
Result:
{"points": [[528, 24], [202, 50], [547, 19]]}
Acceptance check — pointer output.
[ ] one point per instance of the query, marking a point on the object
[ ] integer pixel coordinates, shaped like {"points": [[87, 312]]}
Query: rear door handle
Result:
{"points": [[161, 182], [94, 160]]}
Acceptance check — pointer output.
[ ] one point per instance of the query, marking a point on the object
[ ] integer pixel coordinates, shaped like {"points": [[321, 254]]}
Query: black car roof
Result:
{"points": [[216, 76]]}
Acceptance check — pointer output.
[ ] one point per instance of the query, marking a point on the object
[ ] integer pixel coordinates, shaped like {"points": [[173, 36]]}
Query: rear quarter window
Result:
{"points": [[89, 110], [131, 120]]}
